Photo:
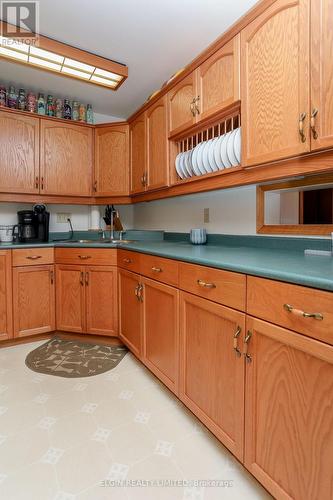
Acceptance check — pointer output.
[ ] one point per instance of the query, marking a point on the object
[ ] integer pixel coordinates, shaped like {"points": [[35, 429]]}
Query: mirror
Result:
{"points": [[300, 206]]}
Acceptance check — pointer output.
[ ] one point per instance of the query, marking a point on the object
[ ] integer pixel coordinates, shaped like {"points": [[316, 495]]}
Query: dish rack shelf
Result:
{"points": [[221, 123]]}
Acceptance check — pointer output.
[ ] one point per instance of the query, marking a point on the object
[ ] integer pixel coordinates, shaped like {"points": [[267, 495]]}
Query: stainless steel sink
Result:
{"points": [[116, 241], [106, 240]]}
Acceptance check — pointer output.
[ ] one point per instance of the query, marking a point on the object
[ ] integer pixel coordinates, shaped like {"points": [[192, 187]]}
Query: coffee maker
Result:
{"points": [[33, 225]]}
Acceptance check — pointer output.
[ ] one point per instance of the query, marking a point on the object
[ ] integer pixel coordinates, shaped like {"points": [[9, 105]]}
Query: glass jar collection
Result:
{"points": [[46, 105]]}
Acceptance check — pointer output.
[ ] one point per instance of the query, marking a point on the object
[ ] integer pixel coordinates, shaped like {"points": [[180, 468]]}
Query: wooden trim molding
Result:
{"points": [[313, 229]]}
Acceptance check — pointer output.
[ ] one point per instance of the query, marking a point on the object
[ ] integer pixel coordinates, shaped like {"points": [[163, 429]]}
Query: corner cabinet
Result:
{"points": [[111, 160], [275, 57], [289, 412], [19, 153], [6, 316], [66, 159], [138, 169]]}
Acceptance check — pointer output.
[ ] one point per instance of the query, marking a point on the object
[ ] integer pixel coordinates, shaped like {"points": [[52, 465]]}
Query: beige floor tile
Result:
{"points": [[114, 412], [35, 482], [130, 443], [18, 417], [64, 434], [64, 404]]}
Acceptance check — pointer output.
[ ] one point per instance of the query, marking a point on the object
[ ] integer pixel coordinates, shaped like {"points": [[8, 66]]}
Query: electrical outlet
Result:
{"points": [[206, 215], [62, 217]]}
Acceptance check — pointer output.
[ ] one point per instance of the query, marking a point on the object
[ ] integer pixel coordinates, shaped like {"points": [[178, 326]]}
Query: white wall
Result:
{"points": [[232, 211]]}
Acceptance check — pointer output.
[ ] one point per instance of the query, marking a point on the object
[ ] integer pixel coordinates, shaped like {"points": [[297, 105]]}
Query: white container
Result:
{"points": [[6, 234], [198, 236]]}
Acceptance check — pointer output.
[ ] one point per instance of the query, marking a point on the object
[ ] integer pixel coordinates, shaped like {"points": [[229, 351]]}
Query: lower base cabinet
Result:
{"points": [[6, 327], [87, 299], [33, 300], [161, 331], [289, 413], [211, 370], [130, 313]]}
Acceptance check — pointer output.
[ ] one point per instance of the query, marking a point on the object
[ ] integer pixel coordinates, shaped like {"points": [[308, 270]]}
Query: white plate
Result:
{"points": [[177, 165], [230, 149], [223, 151], [199, 158], [211, 159], [237, 144], [217, 153], [195, 167], [182, 165], [188, 164], [205, 159]]}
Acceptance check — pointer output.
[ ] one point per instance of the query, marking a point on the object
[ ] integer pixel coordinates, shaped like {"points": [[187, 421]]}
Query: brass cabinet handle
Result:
{"points": [[140, 293], [136, 291], [37, 182], [196, 101], [33, 257], [204, 284], [52, 277], [303, 314], [192, 107], [87, 278], [313, 123], [95, 186], [42, 183], [156, 269], [301, 126], [127, 260], [82, 278], [144, 179], [235, 345], [84, 257], [247, 356]]}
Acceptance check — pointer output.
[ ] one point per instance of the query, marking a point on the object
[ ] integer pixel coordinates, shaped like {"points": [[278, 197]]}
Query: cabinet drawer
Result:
{"points": [[88, 256], [225, 287], [160, 269], [129, 260], [284, 304], [33, 256]]}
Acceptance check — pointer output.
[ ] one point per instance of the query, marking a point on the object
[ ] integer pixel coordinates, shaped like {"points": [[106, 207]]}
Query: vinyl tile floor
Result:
{"points": [[120, 436]]}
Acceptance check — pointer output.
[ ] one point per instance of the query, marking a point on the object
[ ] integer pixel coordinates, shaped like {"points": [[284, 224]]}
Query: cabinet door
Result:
{"points": [[321, 73], [182, 111], [289, 412], [130, 324], [6, 328], [161, 331], [111, 160], [138, 154], [212, 373], [218, 79], [33, 300], [274, 76], [66, 159], [101, 300], [157, 145], [70, 298], [19, 153]]}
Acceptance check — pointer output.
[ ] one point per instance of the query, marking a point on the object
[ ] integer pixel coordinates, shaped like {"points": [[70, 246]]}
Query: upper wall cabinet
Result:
{"points": [[138, 154], [19, 153], [157, 144], [218, 79], [182, 104], [321, 74], [274, 76], [111, 160], [66, 159]]}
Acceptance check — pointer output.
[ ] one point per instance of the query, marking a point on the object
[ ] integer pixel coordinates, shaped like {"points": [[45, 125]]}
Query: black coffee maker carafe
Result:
{"points": [[33, 225]]}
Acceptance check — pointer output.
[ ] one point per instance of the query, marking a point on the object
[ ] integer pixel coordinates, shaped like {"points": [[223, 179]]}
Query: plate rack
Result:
{"points": [[224, 122]]}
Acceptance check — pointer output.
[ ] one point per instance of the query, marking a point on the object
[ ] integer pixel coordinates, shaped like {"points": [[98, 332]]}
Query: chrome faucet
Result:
{"points": [[112, 214]]}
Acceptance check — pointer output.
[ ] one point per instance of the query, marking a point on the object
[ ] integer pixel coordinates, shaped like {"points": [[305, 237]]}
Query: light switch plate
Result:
{"points": [[62, 217], [206, 215]]}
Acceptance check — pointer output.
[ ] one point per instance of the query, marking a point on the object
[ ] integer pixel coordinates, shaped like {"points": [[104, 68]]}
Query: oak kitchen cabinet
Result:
{"points": [[289, 413], [19, 153], [33, 300], [211, 370], [6, 316], [181, 103], [87, 299], [130, 311], [66, 159], [138, 154], [157, 145], [275, 57], [111, 160]]}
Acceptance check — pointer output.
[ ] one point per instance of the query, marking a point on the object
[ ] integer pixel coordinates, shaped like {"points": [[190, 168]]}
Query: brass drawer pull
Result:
{"points": [[301, 126], [33, 257], [313, 123], [127, 261], [204, 284], [235, 345], [156, 269], [248, 357], [303, 314], [84, 257]]}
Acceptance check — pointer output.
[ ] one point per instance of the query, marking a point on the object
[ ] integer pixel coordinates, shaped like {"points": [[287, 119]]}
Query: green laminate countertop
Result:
{"points": [[283, 264]]}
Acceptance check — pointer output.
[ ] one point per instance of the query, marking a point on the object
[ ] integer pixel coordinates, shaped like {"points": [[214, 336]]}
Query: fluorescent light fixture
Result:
{"points": [[57, 57]]}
